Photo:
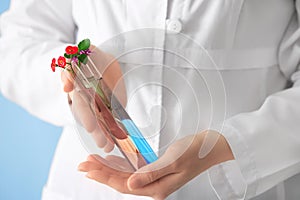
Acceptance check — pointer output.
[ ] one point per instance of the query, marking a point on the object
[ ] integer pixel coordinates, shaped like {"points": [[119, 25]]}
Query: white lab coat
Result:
{"points": [[255, 44]]}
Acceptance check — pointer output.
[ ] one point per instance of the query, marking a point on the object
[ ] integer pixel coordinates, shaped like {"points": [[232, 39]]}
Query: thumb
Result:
{"points": [[149, 174]]}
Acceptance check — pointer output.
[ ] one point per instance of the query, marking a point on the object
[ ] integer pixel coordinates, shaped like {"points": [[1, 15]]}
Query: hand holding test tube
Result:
{"points": [[105, 110]]}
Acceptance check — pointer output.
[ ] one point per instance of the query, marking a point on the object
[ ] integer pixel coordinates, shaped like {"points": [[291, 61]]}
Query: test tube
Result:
{"points": [[111, 116]]}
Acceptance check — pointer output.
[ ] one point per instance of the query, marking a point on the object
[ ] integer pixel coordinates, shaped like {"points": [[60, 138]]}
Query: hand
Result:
{"points": [[84, 106], [179, 164]]}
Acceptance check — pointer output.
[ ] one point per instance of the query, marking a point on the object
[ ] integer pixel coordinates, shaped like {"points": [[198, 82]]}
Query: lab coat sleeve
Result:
{"points": [[266, 142], [32, 33]]}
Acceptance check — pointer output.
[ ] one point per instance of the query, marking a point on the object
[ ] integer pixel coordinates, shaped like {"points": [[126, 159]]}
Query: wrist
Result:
{"points": [[220, 151]]}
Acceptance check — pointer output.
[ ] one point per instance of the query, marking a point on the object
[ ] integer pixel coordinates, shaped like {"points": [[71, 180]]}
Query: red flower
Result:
{"points": [[53, 64], [61, 62], [71, 50]]}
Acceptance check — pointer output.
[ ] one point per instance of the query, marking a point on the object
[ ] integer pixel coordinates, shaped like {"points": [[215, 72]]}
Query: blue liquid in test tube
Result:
{"points": [[139, 141], [133, 132]]}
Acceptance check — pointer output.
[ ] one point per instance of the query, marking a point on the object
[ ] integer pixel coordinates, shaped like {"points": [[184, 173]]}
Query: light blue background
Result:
{"points": [[26, 149]]}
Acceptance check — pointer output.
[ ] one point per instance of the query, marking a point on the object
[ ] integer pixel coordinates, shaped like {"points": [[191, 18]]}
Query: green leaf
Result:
{"points": [[84, 44], [67, 56], [83, 58]]}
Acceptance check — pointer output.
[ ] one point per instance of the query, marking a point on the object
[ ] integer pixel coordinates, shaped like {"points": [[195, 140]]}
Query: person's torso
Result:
{"points": [[188, 64]]}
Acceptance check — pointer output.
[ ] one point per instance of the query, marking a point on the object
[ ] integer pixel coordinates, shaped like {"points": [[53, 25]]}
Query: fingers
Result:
{"points": [[83, 112], [162, 188], [120, 162], [95, 158], [115, 162], [148, 174], [99, 138], [102, 140], [105, 124], [89, 166], [103, 173], [159, 189], [109, 146], [115, 181], [67, 80], [96, 162], [107, 117]]}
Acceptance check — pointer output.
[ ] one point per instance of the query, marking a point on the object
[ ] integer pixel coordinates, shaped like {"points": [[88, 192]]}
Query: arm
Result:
{"points": [[265, 143], [177, 166], [32, 32]]}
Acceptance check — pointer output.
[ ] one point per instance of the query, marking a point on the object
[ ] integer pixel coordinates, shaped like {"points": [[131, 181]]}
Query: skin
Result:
{"points": [[83, 106], [163, 177], [177, 166]]}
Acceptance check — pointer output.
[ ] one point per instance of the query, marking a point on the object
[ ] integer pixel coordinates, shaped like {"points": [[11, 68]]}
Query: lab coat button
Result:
{"points": [[173, 26]]}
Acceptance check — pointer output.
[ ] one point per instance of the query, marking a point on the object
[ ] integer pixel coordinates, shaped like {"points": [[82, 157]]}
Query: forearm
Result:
{"points": [[32, 32], [219, 152]]}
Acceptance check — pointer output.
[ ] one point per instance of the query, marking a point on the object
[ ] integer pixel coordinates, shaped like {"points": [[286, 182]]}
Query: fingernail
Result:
{"points": [[133, 183], [80, 168], [89, 175]]}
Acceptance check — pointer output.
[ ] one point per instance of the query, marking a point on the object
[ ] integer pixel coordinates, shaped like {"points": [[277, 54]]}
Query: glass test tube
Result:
{"points": [[112, 117]]}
